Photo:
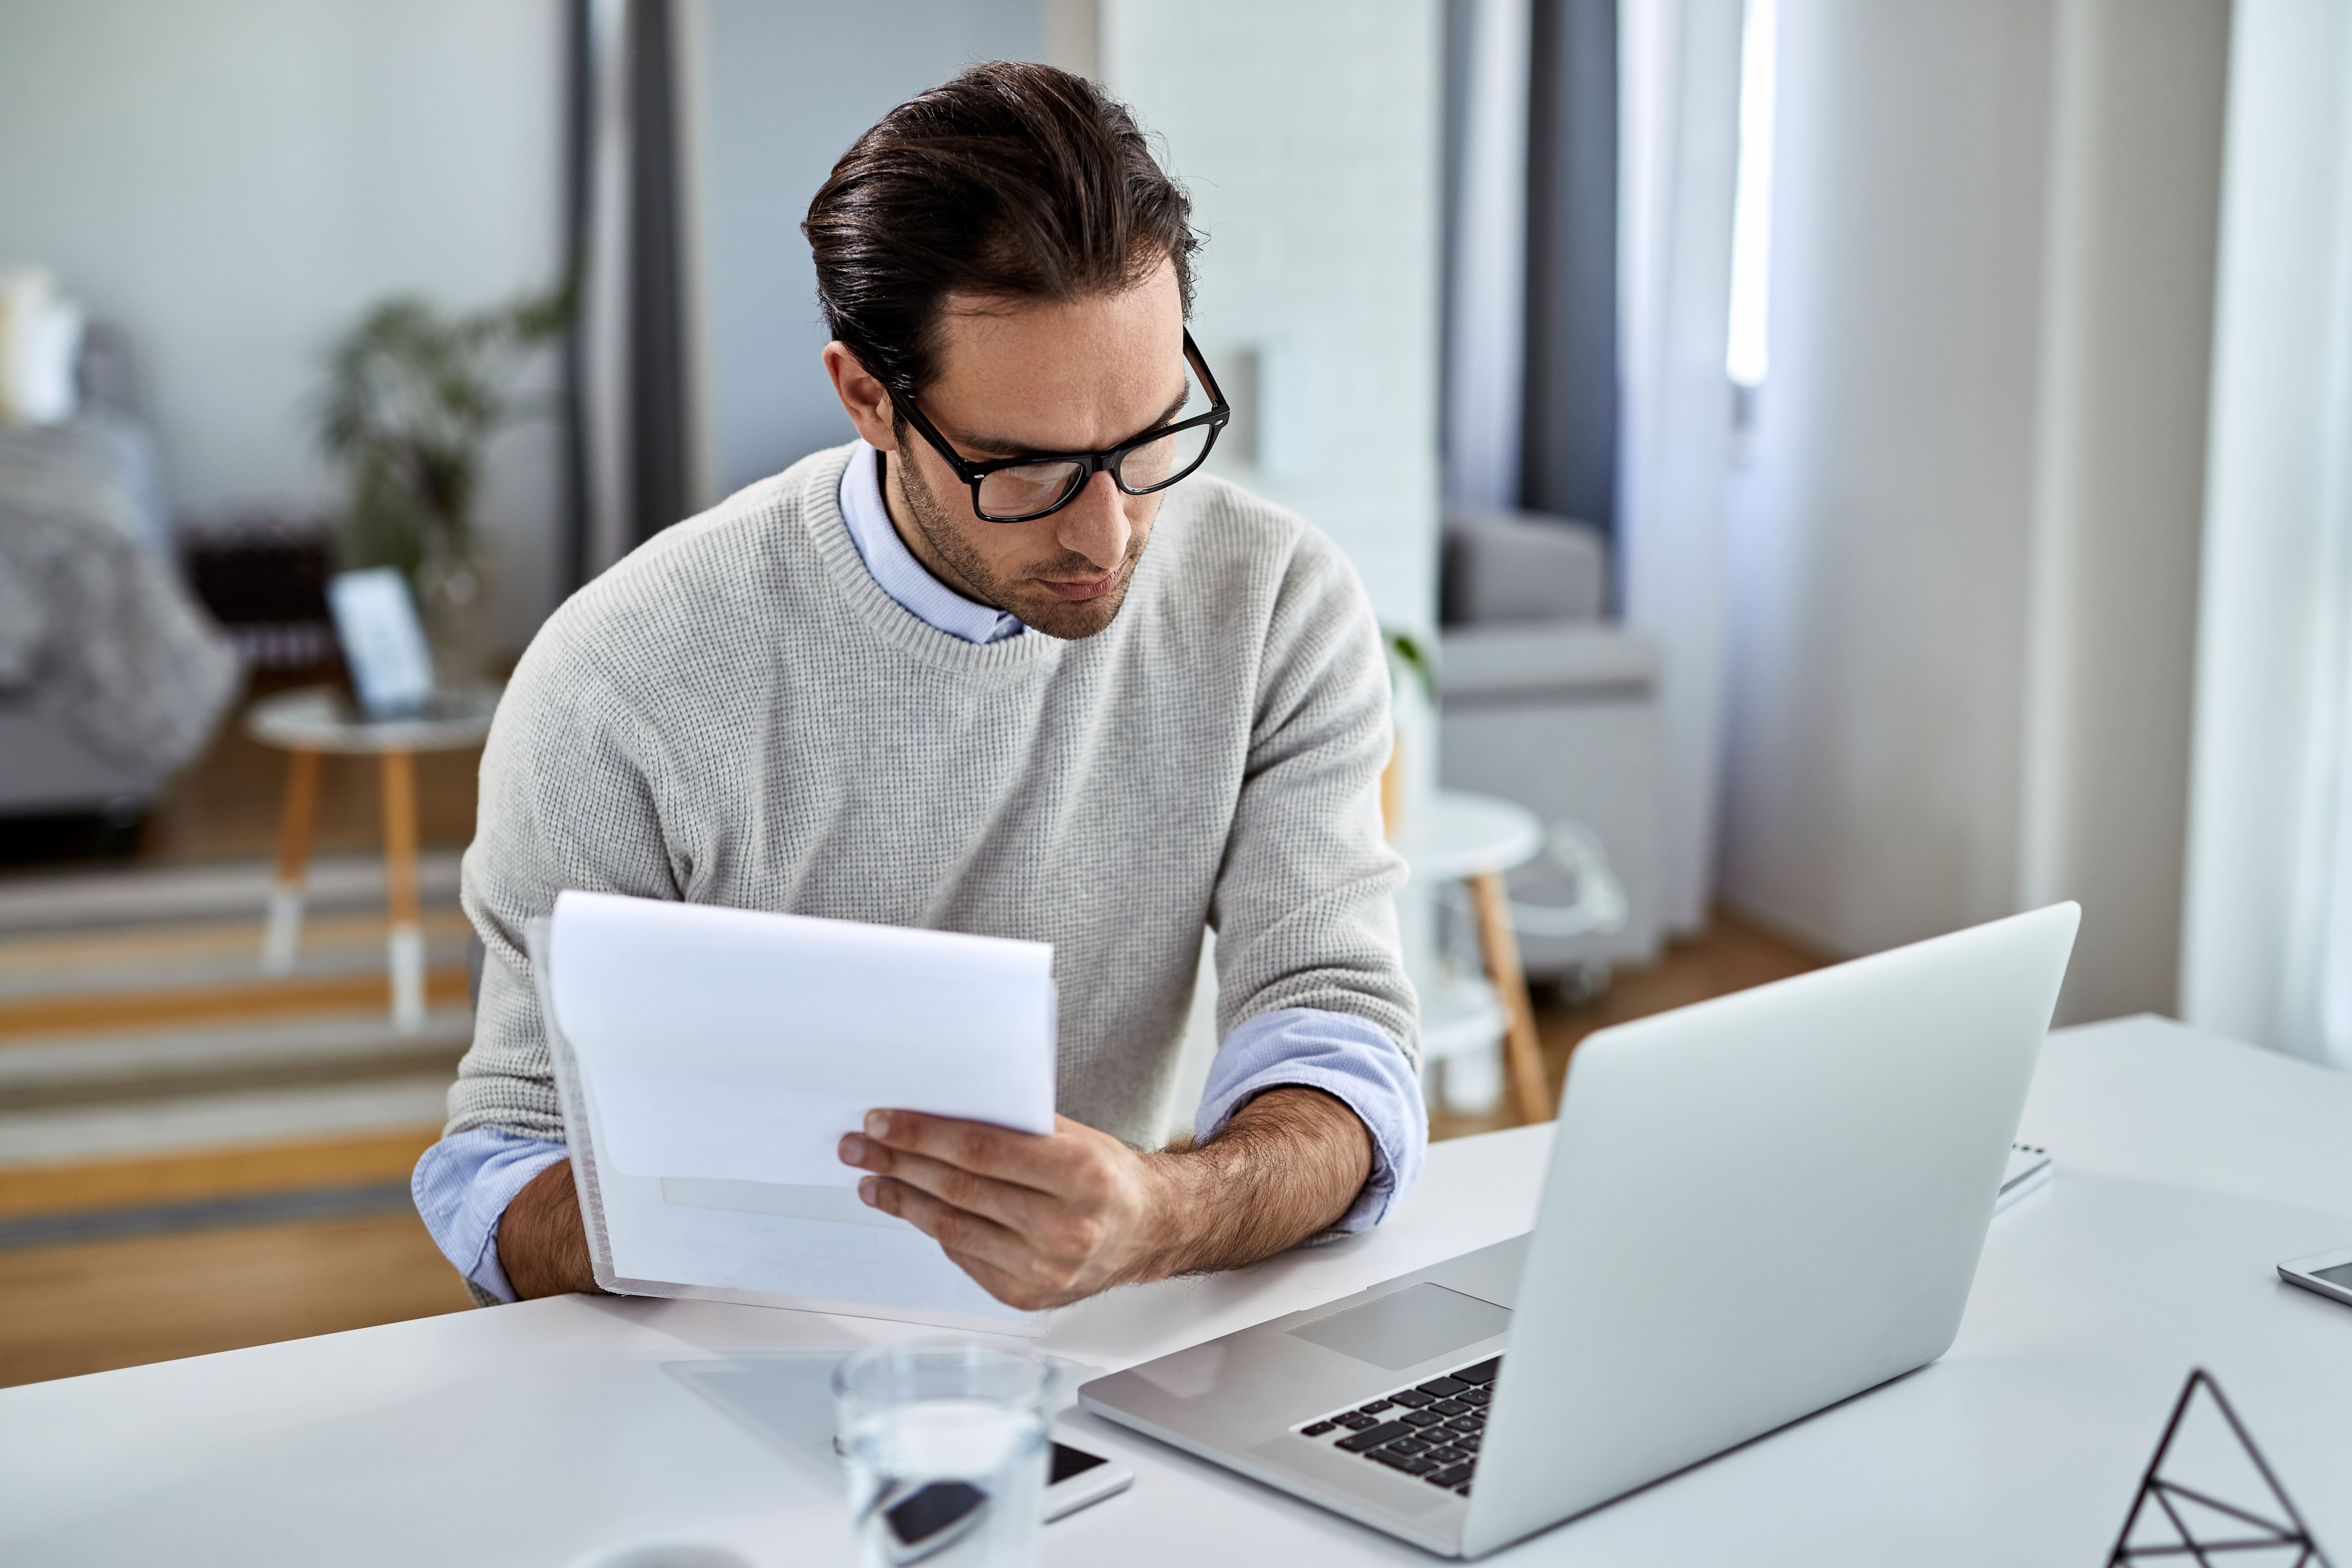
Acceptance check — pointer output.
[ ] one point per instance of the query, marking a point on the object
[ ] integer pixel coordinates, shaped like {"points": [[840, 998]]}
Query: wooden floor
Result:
{"points": [[97, 1305], [1732, 955]]}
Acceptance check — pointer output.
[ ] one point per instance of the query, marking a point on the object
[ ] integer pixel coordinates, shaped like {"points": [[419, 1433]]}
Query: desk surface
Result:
{"points": [[2187, 1167]]}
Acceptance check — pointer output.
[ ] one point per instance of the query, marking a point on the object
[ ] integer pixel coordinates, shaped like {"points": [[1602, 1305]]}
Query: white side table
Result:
{"points": [[315, 720], [1474, 838]]}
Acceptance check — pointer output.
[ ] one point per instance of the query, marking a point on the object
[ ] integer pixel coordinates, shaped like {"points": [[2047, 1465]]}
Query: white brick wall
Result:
{"points": [[1308, 134]]}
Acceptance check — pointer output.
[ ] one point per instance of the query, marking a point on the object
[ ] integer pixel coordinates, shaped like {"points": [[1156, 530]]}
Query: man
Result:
{"points": [[936, 678]]}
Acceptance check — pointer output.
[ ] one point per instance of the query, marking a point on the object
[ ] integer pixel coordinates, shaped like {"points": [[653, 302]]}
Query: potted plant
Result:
{"points": [[413, 396]]}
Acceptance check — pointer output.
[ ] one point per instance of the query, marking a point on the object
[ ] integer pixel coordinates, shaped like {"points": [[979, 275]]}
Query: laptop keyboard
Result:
{"points": [[1431, 1429]]}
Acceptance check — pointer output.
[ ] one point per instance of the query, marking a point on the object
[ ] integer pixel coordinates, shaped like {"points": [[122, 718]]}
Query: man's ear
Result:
{"points": [[865, 399]]}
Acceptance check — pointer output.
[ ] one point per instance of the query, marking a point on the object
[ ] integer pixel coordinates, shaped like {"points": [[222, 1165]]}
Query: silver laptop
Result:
{"points": [[1757, 1206]]}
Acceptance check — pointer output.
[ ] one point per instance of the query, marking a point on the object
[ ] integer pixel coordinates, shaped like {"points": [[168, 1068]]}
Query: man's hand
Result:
{"points": [[1040, 1221]]}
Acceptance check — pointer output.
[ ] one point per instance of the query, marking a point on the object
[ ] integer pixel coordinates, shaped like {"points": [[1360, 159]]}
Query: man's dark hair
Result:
{"points": [[1010, 181]]}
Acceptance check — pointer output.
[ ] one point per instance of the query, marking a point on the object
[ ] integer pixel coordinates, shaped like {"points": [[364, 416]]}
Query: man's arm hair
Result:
{"points": [[543, 1240], [1287, 1166]]}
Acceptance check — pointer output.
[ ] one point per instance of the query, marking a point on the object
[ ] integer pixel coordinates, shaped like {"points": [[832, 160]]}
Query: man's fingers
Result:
{"points": [[958, 1232], [1025, 1158], [1017, 1208], [996, 1259]]}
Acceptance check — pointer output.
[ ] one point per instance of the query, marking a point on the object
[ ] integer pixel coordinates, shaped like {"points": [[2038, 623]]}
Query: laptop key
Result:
{"points": [[1354, 1422], [1451, 1407], [1482, 1372], [1442, 1387], [1452, 1476], [1479, 1397], [1466, 1423], [1374, 1409], [1318, 1429], [1448, 1455], [1411, 1397], [1411, 1464], [1374, 1436], [1423, 1417], [1407, 1446]]}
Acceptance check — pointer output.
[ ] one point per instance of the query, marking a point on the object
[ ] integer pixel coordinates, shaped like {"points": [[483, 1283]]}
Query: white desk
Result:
{"points": [[2187, 1167]]}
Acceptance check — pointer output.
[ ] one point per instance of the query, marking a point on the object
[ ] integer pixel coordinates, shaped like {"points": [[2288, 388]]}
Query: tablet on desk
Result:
{"points": [[2328, 1273]]}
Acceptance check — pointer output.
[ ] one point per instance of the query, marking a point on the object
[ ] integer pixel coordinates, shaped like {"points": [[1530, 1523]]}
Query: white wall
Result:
{"points": [[1964, 552], [765, 151], [235, 182], [1309, 135]]}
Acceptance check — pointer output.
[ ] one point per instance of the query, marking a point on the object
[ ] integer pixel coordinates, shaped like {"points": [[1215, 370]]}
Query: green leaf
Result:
{"points": [[1408, 650]]}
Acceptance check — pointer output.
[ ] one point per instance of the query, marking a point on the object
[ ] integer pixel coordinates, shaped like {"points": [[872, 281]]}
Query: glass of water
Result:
{"points": [[946, 1441]]}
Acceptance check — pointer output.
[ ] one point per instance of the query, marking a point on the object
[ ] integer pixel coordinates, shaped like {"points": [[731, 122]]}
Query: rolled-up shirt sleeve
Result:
{"points": [[1347, 1057], [462, 1187]]}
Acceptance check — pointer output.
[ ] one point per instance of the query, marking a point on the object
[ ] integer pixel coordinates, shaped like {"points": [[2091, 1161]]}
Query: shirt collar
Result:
{"points": [[896, 571]]}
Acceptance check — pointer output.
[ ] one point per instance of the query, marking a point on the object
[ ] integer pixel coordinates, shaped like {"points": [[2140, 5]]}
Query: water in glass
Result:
{"points": [[946, 1448]]}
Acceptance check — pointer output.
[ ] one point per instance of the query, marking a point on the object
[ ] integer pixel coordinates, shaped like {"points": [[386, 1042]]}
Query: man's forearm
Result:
{"points": [[542, 1241], [1289, 1163]]}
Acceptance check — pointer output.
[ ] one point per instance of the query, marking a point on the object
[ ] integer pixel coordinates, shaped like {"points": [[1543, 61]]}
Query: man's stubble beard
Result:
{"points": [[1038, 607]]}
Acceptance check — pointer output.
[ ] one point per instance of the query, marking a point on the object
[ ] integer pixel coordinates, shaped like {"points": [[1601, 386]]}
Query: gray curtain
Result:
{"points": [[626, 433], [657, 340], [1569, 446]]}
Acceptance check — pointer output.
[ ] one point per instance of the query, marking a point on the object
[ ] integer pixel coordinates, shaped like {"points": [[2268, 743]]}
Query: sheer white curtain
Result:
{"points": [[2267, 949], [1678, 161]]}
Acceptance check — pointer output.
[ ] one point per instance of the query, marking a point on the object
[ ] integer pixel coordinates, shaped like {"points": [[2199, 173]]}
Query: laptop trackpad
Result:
{"points": [[1406, 1327]]}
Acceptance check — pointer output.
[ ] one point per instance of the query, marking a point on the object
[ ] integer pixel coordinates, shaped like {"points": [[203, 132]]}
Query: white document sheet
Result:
{"points": [[731, 1046], [708, 1061]]}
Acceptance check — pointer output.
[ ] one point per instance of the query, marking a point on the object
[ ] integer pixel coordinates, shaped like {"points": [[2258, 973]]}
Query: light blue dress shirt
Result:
{"points": [[464, 1183]]}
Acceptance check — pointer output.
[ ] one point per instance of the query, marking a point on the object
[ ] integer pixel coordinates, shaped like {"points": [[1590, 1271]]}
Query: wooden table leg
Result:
{"points": [[283, 932], [404, 948], [1499, 943]]}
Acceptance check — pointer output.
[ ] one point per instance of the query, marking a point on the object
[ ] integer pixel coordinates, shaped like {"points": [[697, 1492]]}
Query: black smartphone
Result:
{"points": [[930, 1517]]}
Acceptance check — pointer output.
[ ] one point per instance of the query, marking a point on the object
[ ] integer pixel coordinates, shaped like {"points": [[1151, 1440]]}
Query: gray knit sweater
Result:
{"points": [[737, 714]]}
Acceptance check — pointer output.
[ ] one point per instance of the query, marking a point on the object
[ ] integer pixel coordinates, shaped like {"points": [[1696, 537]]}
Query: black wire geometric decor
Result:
{"points": [[2172, 1522]]}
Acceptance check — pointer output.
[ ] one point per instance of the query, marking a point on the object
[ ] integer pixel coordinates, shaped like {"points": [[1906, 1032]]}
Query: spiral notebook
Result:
{"points": [[708, 1061]]}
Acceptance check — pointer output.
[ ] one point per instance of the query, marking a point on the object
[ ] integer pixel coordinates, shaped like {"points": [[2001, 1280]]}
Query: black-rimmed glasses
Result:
{"points": [[1021, 489]]}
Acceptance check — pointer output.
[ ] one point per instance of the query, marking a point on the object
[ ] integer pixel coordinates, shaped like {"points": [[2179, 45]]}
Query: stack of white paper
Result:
{"points": [[720, 1055]]}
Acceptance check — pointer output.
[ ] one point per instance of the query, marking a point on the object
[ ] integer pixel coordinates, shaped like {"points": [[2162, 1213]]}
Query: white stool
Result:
{"points": [[1475, 839], [312, 721]]}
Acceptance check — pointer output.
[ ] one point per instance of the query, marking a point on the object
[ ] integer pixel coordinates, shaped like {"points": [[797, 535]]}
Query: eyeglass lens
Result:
{"points": [[1034, 487]]}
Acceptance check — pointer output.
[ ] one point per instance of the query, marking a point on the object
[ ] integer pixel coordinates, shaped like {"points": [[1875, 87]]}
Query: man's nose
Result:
{"points": [[1095, 525]]}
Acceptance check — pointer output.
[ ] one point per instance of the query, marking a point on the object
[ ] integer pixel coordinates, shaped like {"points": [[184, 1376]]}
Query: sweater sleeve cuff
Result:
{"points": [[462, 1187], [1351, 1060]]}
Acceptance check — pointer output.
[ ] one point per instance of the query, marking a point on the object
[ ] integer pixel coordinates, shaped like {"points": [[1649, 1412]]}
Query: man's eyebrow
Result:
{"points": [[1001, 448]]}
